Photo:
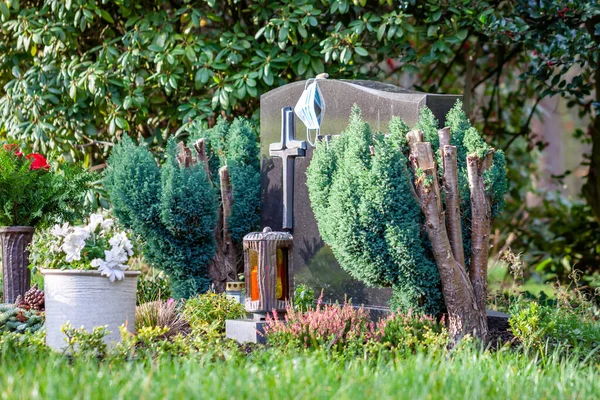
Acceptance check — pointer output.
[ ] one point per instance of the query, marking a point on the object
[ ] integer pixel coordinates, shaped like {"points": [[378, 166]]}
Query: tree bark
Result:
{"points": [[464, 315], [453, 219], [230, 264], [480, 225], [200, 147]]}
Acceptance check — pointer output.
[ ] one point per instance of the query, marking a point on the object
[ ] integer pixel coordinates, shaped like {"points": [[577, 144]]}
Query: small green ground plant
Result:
{"points": [[211, 310]]}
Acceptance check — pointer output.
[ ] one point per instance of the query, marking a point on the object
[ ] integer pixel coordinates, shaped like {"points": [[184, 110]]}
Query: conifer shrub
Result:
{"points": [[235, 145], [174, 209], [367, 211]]}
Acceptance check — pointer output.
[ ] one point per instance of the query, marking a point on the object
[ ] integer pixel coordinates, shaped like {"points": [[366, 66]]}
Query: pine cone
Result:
{"points": [[20, 303], [34, 298]]}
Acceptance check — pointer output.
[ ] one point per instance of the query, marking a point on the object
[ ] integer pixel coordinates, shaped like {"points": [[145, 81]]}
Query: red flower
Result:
{"points": [[38, 161], [561, 13], [13, 147]]}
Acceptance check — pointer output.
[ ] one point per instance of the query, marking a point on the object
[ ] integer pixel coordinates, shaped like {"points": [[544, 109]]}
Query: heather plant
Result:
{"points": [[329, 326]]}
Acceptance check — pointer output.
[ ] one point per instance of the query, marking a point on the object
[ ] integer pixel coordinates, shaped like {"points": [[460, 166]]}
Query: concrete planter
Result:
{"points": [[15, 260], [88, 299]]}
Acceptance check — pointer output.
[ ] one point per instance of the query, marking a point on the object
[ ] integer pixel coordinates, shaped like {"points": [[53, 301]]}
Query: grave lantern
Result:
{"points": [[267, 271]]}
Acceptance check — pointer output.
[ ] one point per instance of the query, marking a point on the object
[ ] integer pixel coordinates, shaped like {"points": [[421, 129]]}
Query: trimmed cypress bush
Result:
{"points": [[367, 211], [173, 209]]}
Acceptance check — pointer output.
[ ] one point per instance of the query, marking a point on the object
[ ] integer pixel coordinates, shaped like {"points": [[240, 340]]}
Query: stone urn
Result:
{"points": [[88, 299], [15, 260]]}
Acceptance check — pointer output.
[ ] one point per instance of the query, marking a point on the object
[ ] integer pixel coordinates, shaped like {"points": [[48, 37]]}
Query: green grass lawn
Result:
{"points": [[466, 374]]}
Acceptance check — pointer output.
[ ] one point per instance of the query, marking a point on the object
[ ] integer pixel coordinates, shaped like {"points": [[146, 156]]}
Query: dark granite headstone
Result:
{"points": [[313, 262]]}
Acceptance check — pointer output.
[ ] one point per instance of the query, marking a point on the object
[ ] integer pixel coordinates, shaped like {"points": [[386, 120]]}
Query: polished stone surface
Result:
{"points": [[313, 263]]}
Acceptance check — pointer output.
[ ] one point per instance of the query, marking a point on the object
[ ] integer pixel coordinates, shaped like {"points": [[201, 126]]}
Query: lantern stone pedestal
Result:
{"points": [[245, 330]]}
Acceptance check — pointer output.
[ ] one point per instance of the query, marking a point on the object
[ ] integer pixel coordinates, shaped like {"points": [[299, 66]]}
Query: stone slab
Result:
{"points": [[245, 330], [313, 262]]}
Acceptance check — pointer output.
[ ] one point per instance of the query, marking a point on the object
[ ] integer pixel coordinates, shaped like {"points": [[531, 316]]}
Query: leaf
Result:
{"points": [[317, 65], [462, 34], [302, 31], [431, 31], [381, 32], [283, 33], [4, 10], [436, 15], [361, 51], [190, 53], [106, 16]]}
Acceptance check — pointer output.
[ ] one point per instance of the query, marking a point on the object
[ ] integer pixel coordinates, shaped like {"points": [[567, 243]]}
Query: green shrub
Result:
{"points": [[367, 213], [211, 309], [18, 320], [556, 327], [235, 145], [412, 332], [22, 344], [152, 286], [527, 324], [172, 209], [304, 298], [82, 343], [33, 191]]}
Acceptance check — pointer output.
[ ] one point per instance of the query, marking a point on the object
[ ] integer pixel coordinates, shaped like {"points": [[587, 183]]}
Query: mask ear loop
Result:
{"points": [[312, 143]]}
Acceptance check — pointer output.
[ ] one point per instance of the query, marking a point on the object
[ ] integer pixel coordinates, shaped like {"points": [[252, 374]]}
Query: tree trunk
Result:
{"points": [[464, 315], [480, 226], [453, 219], [591, 189]]}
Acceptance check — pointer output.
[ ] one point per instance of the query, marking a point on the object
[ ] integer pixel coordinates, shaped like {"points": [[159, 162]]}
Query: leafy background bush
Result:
{"points": [[76, 76]]}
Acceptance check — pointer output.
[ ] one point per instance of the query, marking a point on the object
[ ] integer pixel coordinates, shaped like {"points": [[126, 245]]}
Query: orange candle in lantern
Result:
{"points": [[254, 292], [281, 292]]}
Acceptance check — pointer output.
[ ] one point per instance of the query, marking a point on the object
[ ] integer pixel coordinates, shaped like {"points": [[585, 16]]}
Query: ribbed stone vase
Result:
{"points": [[88, 299], [15, 260]]}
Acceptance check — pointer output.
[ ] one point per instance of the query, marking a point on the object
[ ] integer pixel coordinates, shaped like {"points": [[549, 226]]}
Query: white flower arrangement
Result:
{"points": [[95, 245]]}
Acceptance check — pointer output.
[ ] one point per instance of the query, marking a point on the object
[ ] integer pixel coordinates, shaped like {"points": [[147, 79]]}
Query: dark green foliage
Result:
{"points": [[31, 196], [236, 146], [15, 319], [172, 209], [367, 213]]}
